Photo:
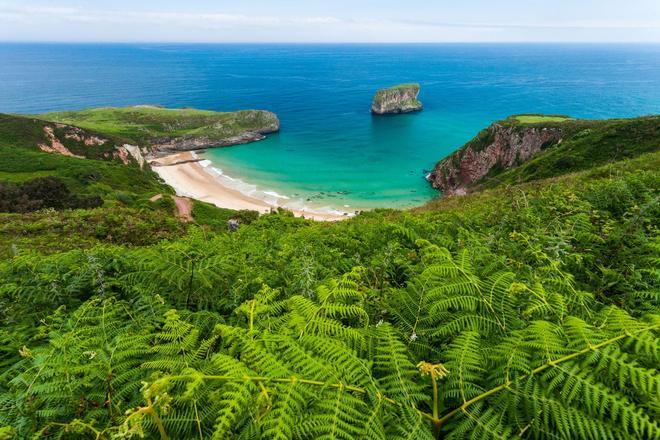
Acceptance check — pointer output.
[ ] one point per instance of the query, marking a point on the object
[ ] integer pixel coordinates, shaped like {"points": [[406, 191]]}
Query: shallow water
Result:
{"points": [[331, 150]]}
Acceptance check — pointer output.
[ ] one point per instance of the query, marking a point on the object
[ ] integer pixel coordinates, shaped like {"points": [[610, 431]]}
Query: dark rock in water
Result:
{"points": [[397, 99]]}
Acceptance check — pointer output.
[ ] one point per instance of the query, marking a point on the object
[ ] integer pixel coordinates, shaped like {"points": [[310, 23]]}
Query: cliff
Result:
{"points": [[398, 99], [499, 147], [533, 147]]}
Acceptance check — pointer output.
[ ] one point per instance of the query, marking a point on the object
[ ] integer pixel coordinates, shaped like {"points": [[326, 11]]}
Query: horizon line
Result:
{"points": [[322, 42]]}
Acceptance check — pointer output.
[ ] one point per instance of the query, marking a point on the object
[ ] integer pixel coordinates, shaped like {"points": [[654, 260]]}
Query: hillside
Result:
{"points": [[64, 187], [528, 147], [86, 161], [67, 140], [519, 311]]}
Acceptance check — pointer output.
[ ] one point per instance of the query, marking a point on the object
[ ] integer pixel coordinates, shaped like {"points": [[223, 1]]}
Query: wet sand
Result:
{"points": [[183, 172]]}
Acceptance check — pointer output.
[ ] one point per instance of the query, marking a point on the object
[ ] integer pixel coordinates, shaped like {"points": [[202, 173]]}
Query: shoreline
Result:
{"points": [[186, 173]]}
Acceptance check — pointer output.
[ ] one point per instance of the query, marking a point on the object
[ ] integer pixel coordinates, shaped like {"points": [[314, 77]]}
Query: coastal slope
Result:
{"points": [[525, 294], [67, 140], [530, 147], [397, 99]]}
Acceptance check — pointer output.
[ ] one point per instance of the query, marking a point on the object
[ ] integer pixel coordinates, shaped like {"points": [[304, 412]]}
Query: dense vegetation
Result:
{"points": [[527, 311], [41, 193]]}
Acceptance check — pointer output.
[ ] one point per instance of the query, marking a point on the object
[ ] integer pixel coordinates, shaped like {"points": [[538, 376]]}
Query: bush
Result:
{"points": [[40, 193]]}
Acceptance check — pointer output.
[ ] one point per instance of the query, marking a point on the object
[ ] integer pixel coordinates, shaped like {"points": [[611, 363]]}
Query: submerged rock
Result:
{"points": [[397, 99]]}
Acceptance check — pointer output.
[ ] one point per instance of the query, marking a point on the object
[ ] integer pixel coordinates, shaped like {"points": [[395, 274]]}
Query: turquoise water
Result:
{"points": [[331, 151]]}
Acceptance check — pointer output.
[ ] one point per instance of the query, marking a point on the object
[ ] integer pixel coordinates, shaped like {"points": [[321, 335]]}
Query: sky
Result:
{"points": [[308, 21]]}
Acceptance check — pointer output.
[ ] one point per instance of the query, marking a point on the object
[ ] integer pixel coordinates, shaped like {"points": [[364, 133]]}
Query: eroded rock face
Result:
{"points": [[126, 152], [263, 122], [501, 146], [170, 145], [398, 99], [86, 143], [56, 146]]}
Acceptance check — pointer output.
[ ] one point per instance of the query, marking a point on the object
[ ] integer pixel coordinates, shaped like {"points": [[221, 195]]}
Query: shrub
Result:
{"points": [[41, 193]]}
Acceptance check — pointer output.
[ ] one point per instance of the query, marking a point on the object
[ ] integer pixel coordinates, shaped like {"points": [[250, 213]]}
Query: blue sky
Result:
{"points": [[331, 20]]}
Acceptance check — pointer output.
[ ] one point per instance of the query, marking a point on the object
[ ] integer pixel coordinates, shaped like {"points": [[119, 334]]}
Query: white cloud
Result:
{"points": [[79, 15], [78, 23]]}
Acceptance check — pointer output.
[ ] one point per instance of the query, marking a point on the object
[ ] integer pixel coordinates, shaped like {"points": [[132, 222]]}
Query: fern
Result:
{"points": [[534, 318]]}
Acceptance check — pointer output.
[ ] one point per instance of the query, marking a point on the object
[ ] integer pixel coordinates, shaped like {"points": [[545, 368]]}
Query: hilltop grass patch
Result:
{"points": [[538, 119]]}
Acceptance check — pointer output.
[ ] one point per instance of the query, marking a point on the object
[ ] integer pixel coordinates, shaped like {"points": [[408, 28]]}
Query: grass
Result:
{"points": [[538, 119], [88, 176], [648, 163], [28, 132], [406, 86], [381, 92], [143, 124], [126, 216]]}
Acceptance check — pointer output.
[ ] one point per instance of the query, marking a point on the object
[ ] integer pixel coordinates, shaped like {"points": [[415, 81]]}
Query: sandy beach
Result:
{"points": [[183, 172]]}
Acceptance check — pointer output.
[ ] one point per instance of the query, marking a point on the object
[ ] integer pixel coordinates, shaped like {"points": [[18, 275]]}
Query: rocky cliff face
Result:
{"points": [[498, 147], [398, 99]]}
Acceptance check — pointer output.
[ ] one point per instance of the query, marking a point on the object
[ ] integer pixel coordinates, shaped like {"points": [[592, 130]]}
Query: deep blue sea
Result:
{"points": [[331, 150]]}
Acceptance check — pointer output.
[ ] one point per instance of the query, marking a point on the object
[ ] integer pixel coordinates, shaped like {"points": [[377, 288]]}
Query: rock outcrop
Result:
{"points": [[499, 147], [258, 123], [142, 133], [398, 99], [72, 141]]}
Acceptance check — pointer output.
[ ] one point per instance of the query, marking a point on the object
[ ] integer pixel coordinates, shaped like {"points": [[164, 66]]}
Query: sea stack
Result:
{"points": [[397, 99]]}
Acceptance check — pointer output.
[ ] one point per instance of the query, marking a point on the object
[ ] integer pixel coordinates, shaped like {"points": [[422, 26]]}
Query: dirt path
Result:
{"points": [[184, 208]]}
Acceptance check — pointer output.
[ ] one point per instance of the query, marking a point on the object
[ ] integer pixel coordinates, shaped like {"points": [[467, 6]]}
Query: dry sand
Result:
{"points": [[183, 172]]}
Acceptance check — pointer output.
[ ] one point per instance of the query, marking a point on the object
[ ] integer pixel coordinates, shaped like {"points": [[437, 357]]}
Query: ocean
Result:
{"points": [[331, 152]]}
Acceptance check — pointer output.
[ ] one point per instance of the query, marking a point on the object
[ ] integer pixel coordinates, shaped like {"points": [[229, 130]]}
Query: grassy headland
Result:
{"points": [[144, 125]]}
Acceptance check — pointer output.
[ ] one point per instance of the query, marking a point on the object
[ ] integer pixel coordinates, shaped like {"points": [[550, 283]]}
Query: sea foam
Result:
{"points": [[267, 195]]}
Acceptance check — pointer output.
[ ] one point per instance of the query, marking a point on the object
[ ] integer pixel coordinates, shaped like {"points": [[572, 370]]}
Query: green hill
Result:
{"points": [[87, 167], [522, 310], [151, 126], [529, 147]]}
